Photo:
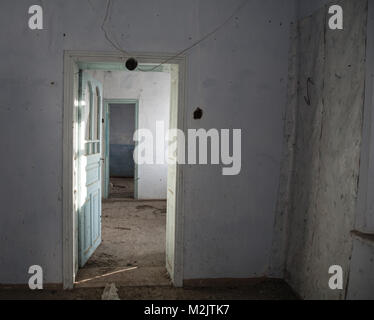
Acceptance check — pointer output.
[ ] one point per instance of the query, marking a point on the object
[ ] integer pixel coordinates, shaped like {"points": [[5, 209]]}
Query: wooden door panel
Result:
{"points": [[90, 170]]}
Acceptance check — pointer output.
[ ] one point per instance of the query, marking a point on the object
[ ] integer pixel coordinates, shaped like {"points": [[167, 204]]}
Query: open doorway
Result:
{"points": [[132, 235], [122, 122]]}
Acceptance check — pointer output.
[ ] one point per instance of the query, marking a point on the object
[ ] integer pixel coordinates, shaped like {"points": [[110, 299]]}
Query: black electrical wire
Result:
{"points": [[215, 30], [240, 7], [116, 46]]}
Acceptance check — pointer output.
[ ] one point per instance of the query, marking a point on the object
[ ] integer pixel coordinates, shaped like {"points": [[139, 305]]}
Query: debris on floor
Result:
{"points": [[132, 252], [110, 292], [121, 188]]}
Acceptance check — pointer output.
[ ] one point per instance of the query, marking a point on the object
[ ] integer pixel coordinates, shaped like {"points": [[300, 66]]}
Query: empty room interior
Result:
{"points": [[187, 150]]}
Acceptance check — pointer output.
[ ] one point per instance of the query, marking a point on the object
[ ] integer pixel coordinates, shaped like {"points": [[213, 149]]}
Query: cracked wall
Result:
{"points": [[316, 213]]}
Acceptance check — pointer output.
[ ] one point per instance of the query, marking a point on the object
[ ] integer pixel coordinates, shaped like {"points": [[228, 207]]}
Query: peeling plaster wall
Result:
{"points": [[317, 204], [238, 77], [284, 205]]}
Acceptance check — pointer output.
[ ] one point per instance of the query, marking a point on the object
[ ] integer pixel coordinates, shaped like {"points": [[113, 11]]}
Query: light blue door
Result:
{"points": [[90, 137]]}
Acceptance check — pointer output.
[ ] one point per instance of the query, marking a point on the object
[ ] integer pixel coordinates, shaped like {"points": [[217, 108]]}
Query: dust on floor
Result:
{"points": [[132, 252], [132, 255], [121, 188]]}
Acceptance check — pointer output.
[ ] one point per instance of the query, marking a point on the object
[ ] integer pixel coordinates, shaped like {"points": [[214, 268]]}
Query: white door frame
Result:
{"points": [[71, 58]]}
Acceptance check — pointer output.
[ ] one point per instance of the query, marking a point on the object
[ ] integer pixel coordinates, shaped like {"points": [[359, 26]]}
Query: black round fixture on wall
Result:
{"points": [[131, 64]]}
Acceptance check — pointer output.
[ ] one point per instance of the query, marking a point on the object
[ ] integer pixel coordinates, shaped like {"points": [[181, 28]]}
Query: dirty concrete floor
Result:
{"points": [[121, 188], [132, 252], [132, 256]]}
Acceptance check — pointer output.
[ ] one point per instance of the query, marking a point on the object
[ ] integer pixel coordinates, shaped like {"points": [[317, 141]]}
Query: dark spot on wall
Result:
{"points": [[52, 83], [198, 114]]}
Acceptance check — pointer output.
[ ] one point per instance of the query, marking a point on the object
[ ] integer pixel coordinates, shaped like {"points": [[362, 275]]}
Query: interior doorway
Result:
{"points": [[87, 163], [120, 173]]}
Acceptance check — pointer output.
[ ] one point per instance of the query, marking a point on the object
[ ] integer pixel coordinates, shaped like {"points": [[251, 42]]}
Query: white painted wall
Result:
{"points": [[238, 77], [152, 90]]}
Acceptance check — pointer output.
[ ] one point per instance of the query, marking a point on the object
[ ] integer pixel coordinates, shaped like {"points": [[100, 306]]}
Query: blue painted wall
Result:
{"points": [[122, 128]]}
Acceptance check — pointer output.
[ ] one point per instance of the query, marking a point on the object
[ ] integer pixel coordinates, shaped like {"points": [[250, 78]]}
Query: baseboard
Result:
{"points": [[48, 286], [225, 282]]}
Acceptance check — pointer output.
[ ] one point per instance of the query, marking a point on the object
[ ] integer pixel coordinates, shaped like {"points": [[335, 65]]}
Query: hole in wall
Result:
{"points": [[198, 114]]}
